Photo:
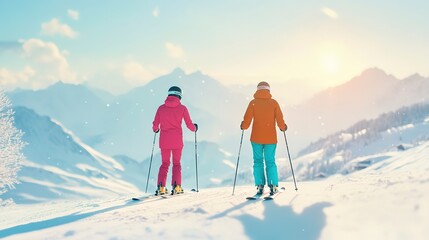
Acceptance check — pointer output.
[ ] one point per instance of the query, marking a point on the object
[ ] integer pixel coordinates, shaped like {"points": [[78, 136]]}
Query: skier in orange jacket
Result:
{"points": [[265, 113]]}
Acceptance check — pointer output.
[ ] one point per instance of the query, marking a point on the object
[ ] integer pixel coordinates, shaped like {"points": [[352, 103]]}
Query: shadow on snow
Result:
{"points": [[281, 222], [35, 226], [278, 222]]}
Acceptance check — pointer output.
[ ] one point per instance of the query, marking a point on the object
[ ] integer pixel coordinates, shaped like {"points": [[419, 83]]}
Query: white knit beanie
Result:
{"points": [[263, 85]]}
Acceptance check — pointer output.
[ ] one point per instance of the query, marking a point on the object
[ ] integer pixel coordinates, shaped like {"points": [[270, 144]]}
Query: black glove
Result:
{"points": [[241, 126], [196, 127], [156, 131], [284, 130]]}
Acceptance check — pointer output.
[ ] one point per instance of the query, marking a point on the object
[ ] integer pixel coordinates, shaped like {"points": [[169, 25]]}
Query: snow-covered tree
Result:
{"points": [[11, 145]]}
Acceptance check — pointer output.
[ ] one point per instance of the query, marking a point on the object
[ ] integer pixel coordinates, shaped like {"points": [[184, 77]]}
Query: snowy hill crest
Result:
{"points": [[58, 165], [393, 131]]}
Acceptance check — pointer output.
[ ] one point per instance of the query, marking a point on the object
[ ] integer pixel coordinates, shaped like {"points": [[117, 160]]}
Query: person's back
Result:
{"points": [[168, 119], [169, 116], [265, 113]]}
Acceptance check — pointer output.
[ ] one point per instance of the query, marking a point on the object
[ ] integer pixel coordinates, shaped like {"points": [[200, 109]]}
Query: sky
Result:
{"points": [[118, 45]]}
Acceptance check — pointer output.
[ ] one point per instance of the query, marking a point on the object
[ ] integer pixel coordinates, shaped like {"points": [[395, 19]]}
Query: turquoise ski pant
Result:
{"points": [[267, 152]]}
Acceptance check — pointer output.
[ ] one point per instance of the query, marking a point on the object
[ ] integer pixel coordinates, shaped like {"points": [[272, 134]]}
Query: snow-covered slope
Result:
{"points": [[60, 166], [364, 143], [388, 200]]}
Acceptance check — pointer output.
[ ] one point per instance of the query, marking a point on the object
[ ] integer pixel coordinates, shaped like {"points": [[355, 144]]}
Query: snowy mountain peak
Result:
{"points": [[373, 72], [59, 83], [374, 76], [177, 71], [198, 74], [62, 86], [416, 77]]}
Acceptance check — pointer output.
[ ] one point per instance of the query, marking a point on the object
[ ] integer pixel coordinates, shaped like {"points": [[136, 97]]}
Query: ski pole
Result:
{"points": [[290, 161], [150, 164], [196, 160], [238, 160]]}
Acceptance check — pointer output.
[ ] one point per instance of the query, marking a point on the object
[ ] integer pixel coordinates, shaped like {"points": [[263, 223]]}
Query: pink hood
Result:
{"points": [[172, 101]]}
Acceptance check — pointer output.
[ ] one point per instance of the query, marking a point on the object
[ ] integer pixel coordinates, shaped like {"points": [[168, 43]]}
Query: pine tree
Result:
{"points": [[11, 145]]}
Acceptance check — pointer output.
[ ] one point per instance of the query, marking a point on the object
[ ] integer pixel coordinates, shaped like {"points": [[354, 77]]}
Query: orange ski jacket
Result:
{"points": [[265, 113]]}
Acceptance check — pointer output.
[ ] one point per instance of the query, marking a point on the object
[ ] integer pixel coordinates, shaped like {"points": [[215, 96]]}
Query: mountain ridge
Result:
{"points": [[109, 123], [365, 96]]}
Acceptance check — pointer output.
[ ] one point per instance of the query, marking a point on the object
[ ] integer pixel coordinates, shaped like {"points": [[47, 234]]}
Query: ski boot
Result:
{"points": [[260, 189], [177, 190], [161, 190], [273, 189]]}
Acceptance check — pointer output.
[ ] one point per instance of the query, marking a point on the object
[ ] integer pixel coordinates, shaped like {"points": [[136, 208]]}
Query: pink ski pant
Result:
{"points": [[177, 169]]}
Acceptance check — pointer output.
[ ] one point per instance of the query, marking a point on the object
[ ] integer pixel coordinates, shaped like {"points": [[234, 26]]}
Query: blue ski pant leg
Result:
{"points": [[258, 164], [270, 164]]}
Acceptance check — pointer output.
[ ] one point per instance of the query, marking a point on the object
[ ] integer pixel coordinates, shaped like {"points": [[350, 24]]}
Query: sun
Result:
{"points": [[330, 64]]}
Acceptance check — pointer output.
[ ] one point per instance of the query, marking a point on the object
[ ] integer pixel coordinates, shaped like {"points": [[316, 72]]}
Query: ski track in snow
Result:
{"points": [[388, 200]]}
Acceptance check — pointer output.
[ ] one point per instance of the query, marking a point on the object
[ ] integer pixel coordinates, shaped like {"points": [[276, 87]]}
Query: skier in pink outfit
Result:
{"points": [[168, 119]]}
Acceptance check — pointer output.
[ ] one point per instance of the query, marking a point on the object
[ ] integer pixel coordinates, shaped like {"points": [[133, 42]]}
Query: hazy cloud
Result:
{"points": [[134, 72], [43, 52], [10, 79], [174, 51], [45, 64], [155, 12], [120, 77], [55, 27], [73, 14], [49, 61], [330, 13]]}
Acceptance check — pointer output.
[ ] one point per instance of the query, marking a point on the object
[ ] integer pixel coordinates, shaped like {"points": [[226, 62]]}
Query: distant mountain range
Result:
{"points": [[121, 125], [366, 96]]}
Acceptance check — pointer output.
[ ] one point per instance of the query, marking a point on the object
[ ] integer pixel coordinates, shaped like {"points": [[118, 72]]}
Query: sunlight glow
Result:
{"points": [[330, 64]]}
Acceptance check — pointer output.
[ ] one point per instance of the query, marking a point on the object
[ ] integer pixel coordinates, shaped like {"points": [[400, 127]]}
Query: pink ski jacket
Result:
{"points": [[168, 119]]}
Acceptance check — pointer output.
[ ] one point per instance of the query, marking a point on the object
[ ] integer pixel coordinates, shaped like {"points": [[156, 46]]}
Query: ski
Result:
{"points": [[192, 191], [143, 198], [161, 196], [147, 197], [172, 195], [271, 197], [150, 197], [256, 196]]}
